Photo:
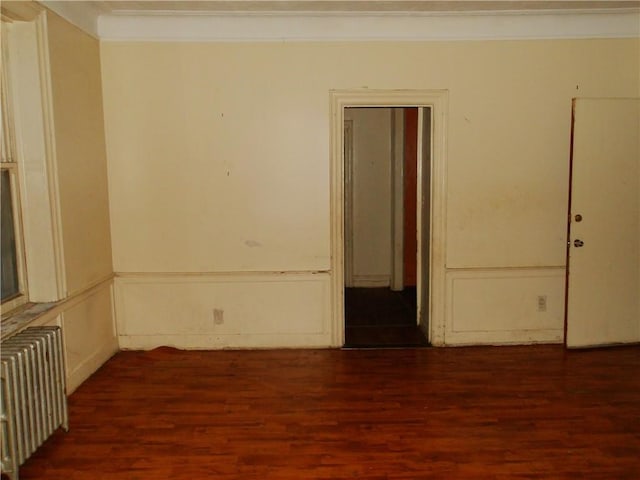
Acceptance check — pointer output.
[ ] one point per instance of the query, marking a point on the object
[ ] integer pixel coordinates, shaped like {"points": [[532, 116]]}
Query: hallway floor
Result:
{"points": [[381, 318]]}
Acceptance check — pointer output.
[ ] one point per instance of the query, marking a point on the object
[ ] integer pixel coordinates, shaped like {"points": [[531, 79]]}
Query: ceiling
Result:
{"points": [[126, 7]]}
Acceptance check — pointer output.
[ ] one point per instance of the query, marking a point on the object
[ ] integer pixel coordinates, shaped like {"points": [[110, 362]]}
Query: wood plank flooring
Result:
{"points": [[494, 412], [380, 317]]}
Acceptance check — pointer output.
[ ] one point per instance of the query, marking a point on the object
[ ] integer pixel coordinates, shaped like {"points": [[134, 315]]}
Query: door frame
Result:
{"points": [[348, 201], [437, 100], [397, 199]]}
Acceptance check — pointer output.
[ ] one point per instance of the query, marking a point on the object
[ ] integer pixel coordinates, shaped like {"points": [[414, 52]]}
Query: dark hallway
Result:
{"points": [[380, 317]]}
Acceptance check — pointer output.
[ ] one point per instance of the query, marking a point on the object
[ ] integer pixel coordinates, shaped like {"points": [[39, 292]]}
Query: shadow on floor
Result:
{"points": [[379, 318]]}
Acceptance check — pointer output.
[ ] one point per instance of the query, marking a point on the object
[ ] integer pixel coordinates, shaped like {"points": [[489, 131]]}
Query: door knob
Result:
{"points": [[578, 218], [578, 243]]}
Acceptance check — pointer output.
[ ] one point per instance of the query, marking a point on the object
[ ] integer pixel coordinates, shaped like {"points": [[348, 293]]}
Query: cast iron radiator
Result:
{"points": [[34, 404]]}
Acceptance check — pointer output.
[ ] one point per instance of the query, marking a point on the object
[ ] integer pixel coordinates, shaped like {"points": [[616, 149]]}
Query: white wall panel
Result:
{"points": [[89, 335], [207, 311], [502, 306]]}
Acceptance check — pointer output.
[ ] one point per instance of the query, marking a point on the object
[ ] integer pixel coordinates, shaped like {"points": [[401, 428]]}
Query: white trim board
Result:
{"points": [[367, 281], [437, 100], [351, 26]]}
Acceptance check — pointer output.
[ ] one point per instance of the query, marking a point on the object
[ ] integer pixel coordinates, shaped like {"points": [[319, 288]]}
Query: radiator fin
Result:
{"points": [[34, 402]]}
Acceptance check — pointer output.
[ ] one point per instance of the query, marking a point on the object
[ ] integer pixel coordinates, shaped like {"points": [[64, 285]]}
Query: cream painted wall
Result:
{"points": [[372, 158], [88, 324], [218, 157], [81, 155]]}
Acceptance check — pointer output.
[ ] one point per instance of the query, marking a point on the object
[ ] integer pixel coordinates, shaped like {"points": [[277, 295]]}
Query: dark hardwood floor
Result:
{"points": [[380, 317], [455, 413]]}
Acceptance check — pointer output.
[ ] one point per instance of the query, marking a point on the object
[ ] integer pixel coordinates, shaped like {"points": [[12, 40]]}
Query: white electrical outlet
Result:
{"points": [[218, 316], [542, 303]]}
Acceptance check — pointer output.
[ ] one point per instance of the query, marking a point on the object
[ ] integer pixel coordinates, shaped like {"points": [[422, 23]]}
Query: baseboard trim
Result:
{"points": [[365, 281], [224, 342]]}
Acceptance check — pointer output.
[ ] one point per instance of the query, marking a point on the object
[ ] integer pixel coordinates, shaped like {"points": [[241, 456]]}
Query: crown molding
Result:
{"points": [[349, 26], [369, 26], [83, 15]]}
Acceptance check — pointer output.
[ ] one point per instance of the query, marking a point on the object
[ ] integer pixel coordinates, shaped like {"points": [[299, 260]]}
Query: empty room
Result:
{"points": [[320, 239]]}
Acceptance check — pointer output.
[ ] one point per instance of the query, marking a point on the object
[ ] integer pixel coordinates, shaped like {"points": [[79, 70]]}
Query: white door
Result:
{"points": [[603, 285]]}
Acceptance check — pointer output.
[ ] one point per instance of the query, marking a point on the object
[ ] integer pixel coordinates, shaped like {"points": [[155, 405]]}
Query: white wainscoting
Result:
{"points": [[89, 335], [500, 306], [234, 310], [88, 330]]}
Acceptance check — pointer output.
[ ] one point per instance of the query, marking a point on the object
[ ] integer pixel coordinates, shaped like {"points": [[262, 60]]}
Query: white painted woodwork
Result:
{"points": [[348, 203], [366, 27], [397, 199], [500, 306], [371, 196], [423, 213], [89, 335], [229, 310], [29, 77], [10, 165], [361, 21], [341, 101], [317, 6], [421, 273], [603, 305]]}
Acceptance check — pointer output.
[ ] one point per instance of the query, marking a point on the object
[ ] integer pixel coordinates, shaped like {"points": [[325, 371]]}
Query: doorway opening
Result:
{"points": [[387, 218], [430, 289]]}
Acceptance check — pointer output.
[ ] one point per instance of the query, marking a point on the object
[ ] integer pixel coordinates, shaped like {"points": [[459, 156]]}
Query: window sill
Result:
{"points": [[23, 317]]}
